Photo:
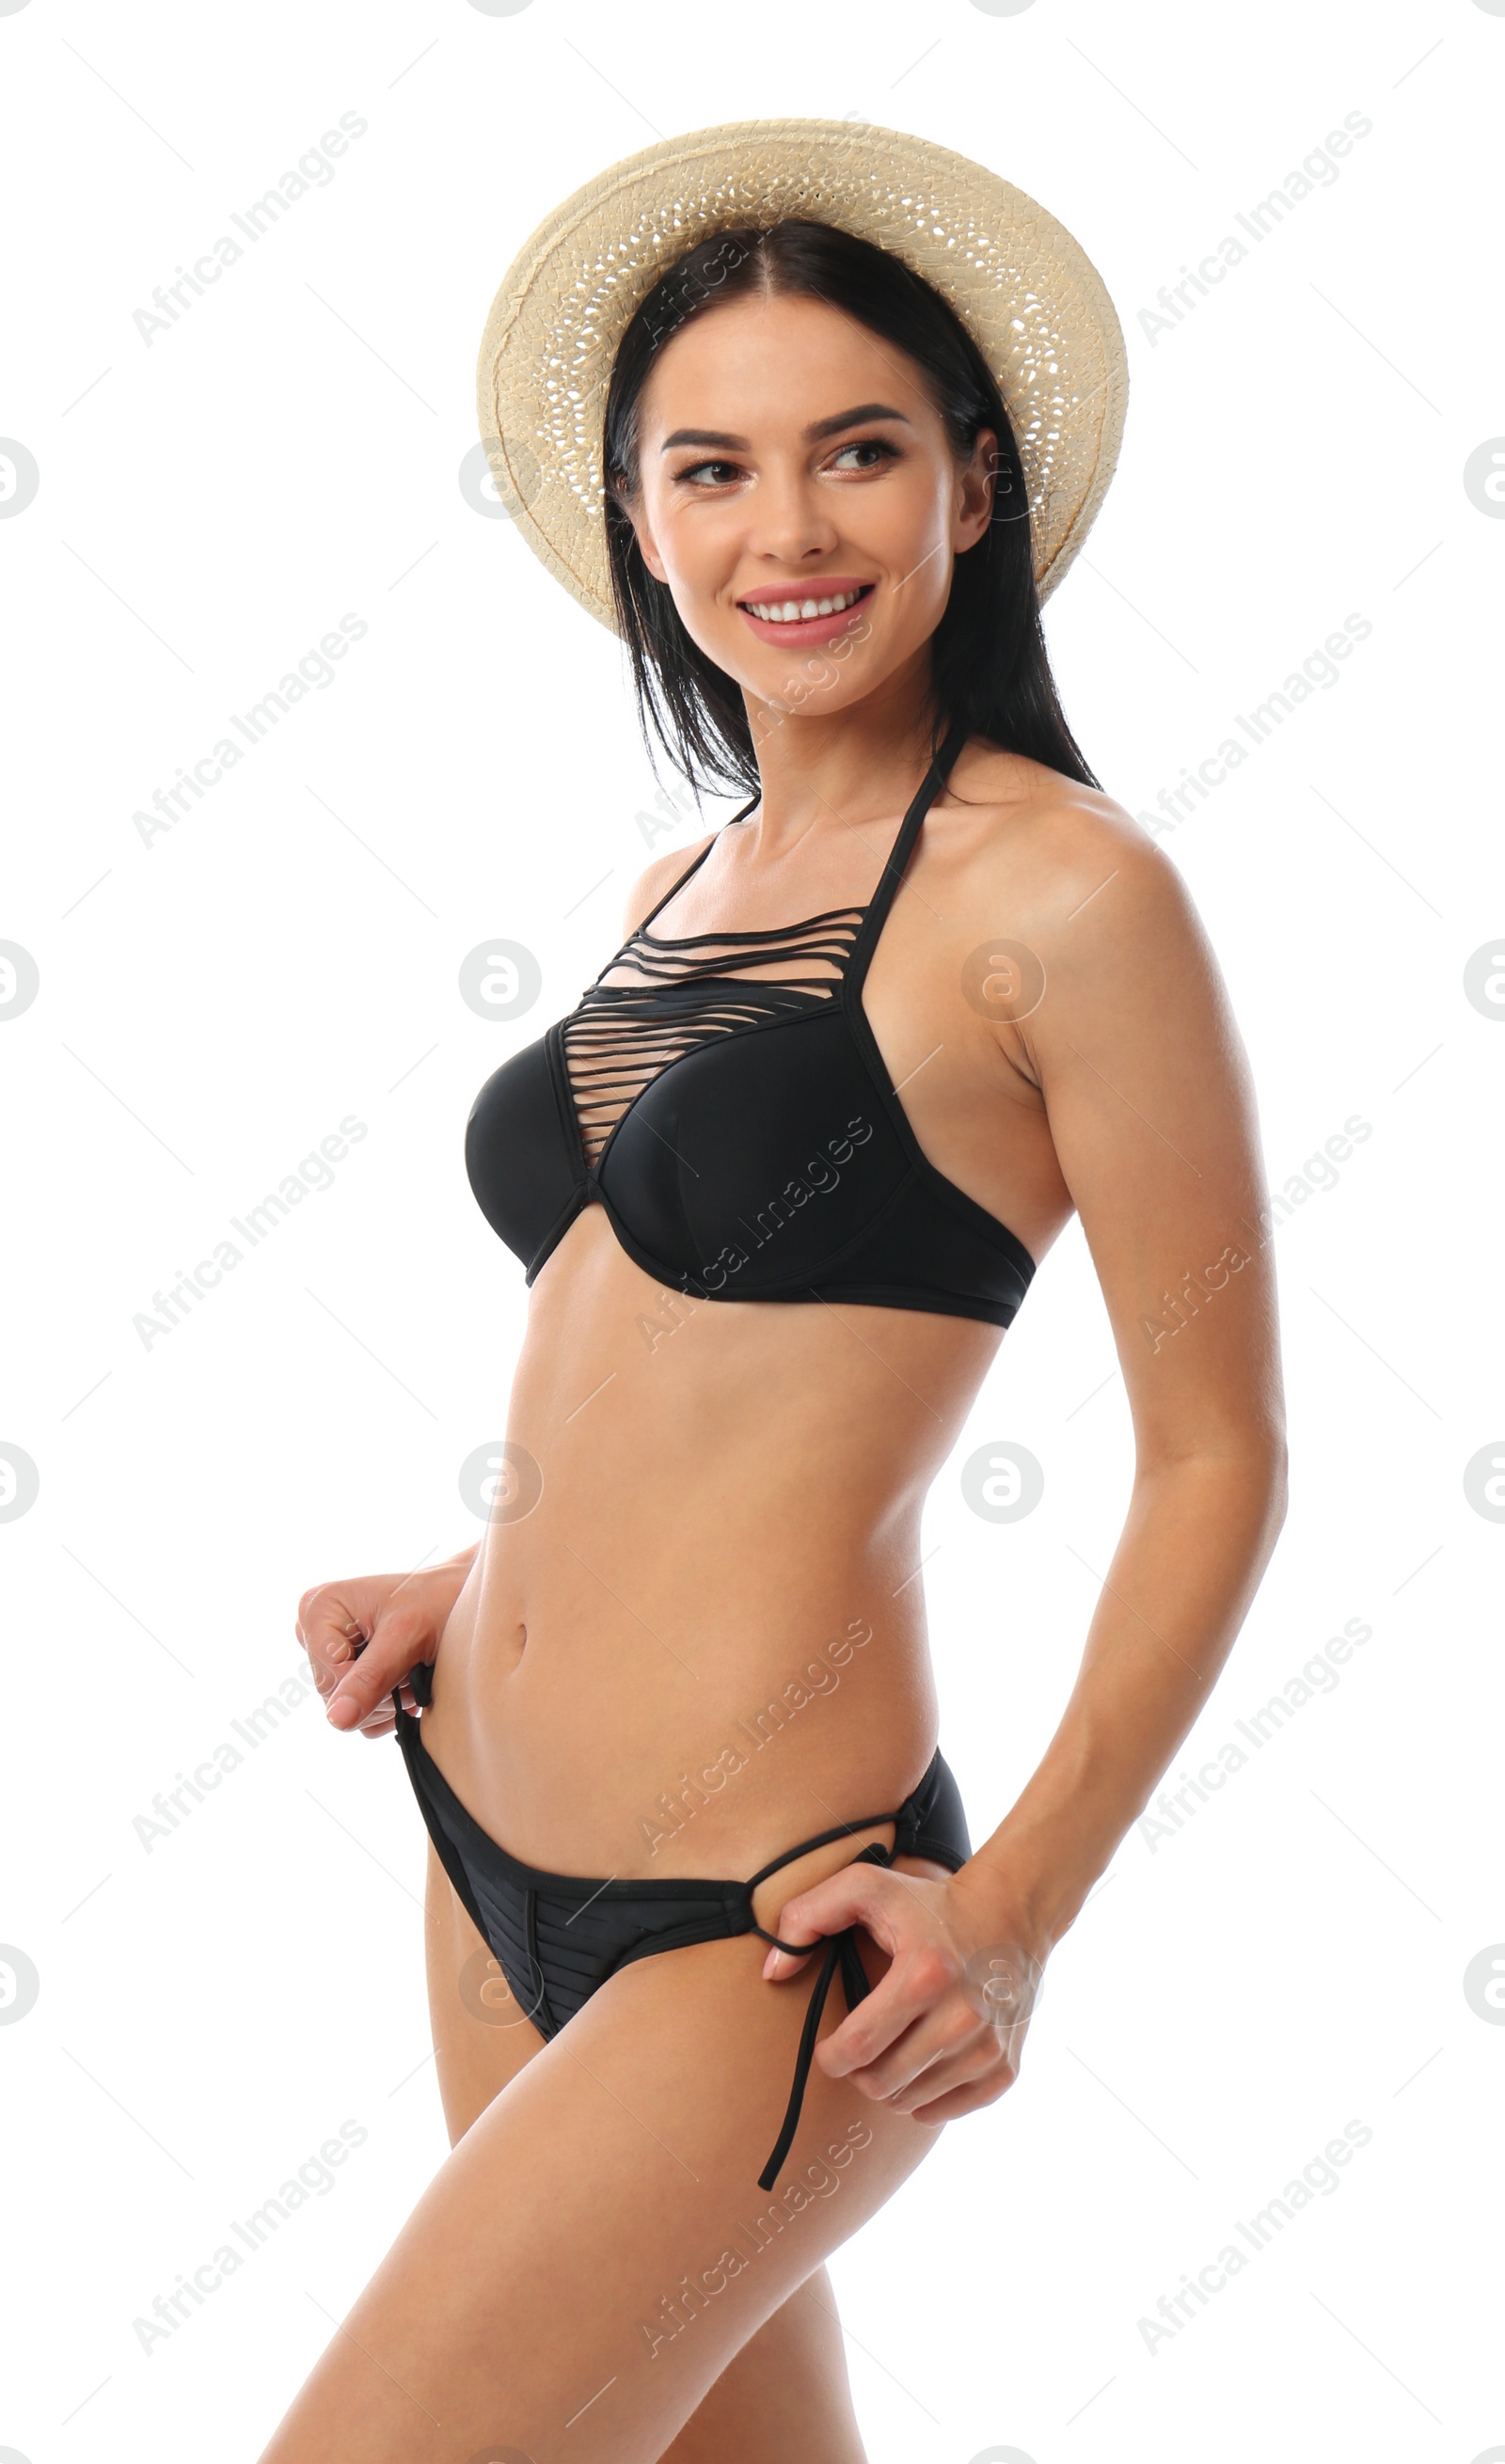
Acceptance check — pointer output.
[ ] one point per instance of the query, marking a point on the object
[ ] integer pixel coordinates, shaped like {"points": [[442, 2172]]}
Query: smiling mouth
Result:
{"points": [[808, 607]]}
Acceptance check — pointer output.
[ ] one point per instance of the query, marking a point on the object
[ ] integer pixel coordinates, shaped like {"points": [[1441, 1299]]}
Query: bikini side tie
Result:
{"points": [[841, 1951]]}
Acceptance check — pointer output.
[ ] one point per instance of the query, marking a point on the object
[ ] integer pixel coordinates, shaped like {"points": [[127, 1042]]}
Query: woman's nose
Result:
{"points": [[790, 519]]}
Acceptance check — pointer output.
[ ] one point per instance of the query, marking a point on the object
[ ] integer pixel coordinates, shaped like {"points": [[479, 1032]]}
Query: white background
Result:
{"points": [[212, 2006]]}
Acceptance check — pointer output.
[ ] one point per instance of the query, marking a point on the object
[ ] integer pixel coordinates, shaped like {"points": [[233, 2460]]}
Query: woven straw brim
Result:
{"points": [[1028, 295]]}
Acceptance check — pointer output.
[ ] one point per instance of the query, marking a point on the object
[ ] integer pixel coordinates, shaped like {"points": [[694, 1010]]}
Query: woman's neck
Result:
{"points": [[839, 769]]}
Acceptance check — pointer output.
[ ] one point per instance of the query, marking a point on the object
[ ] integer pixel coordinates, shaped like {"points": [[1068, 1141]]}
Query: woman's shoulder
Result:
{"points": [[1022, 813], [658, 879], [1038, 845]]}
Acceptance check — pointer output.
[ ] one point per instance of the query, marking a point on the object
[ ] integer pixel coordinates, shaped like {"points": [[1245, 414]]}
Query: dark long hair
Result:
{"points": [[989, 666]]}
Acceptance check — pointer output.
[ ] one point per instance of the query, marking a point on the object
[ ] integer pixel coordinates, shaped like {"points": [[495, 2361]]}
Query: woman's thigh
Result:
{"points": [[595, 2252], [784, 2398]]}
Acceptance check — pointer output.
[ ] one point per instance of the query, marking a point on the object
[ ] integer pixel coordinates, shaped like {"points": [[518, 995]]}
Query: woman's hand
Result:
{"points": [[362, 1637], [942, 2032]]}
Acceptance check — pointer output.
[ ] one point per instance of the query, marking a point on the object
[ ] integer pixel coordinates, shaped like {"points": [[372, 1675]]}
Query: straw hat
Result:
{"points": [[1030, 296]]}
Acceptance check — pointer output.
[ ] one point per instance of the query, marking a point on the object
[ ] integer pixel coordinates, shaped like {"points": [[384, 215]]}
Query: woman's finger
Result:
{"points": [[858, 1895], [942, 2029], [380, 1723], [968, 2099], [917, 1979], [402, 1636], [332, 1620], [950, 2049]]}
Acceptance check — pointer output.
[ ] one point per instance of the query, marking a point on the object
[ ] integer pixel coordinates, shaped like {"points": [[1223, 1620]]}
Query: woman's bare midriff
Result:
{"points": [[706, 1641]]}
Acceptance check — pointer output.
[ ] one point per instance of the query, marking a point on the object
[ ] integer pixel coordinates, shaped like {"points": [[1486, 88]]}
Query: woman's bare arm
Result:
{"points": [[1154, 1123], [1151, 1112]]}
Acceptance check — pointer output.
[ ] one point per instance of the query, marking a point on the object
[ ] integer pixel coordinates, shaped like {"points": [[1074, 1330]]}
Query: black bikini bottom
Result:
{"points": [[557, 1938]]}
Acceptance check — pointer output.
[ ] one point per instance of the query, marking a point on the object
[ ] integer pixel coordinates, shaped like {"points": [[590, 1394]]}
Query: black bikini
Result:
{"points": [[747, 1143], [558, 1937], [744, 1138]]}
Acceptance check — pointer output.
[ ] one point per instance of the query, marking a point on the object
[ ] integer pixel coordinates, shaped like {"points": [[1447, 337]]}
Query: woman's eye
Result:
{"points": [[867, 445], [701, 477], [694, 472]]}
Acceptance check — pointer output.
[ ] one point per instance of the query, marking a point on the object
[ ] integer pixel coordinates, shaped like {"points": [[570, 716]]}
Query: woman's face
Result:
{"points": [[789, 457]]}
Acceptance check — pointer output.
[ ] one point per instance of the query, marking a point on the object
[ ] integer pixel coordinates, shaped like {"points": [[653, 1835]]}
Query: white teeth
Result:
{"points": [[798, 611]]}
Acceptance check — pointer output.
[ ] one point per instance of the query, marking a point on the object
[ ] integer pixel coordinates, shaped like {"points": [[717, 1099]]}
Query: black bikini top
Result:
{"points": [[742, 1135]]}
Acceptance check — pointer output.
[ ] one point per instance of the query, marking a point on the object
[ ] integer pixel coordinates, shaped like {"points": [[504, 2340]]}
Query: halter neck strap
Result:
{"points": [[893, 870], [903, 848]]}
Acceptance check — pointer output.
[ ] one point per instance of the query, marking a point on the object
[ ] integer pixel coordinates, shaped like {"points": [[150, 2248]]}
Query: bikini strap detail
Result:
{"points": [[419, 1681], [903, 848], [822, 1839]]}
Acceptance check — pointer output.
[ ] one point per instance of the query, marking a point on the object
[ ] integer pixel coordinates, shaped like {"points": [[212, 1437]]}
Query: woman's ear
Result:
{"points": [[632, 508], [976, 483]]}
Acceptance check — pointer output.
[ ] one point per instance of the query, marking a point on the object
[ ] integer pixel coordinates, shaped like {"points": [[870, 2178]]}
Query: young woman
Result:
{"points": [[780, 1182]]}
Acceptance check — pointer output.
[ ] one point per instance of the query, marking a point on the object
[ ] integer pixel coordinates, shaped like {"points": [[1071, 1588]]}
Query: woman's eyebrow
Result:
{"points": [[820, 427]]}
